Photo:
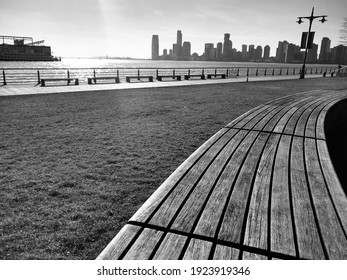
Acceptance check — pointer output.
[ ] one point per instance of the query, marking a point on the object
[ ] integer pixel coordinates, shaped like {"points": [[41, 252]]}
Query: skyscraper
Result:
{"points": [[258, 53], [210, 52], [324, 49], [219, 53], [155, 47], [179, 38], [186, 49], [179, 44], [227, 47], [244, 53], [266, 52], [251, 53]]}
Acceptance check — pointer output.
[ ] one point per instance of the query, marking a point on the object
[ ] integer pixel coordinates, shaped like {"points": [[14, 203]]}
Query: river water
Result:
{"points": [[68, 63]]}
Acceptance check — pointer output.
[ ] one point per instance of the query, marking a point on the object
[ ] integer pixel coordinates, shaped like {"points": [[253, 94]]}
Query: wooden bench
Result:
{"points": [[91, 79], [201, 76], [263, 187], [177, 77], [68, 80], [209, 76], [128, 78]]}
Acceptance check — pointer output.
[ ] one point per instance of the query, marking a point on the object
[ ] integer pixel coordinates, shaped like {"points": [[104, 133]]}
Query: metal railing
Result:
{"points": [[34, 75]]}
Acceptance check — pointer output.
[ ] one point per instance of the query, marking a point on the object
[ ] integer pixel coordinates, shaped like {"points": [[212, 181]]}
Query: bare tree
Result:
{"points": [[343, 33]]}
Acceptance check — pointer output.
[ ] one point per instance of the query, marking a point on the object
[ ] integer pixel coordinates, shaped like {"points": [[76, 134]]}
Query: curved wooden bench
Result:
{"points": [[263, 187]]}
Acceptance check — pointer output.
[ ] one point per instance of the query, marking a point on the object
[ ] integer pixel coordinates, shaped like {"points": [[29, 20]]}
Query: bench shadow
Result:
{"points": [[336, 139]]}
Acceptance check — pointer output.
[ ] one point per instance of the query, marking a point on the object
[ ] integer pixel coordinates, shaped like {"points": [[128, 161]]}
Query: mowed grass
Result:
{"points": [[75, 167]]}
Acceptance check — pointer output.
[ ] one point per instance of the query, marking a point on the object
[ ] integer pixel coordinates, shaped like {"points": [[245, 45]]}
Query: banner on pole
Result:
{"points": [[308, 41]]}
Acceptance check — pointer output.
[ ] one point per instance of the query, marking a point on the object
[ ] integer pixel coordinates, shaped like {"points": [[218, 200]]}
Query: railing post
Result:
{"points": [[203, 72], [238, 72], [273, 71], [287, 71], [247, 72], [294, 71], [256, 72], [215, 71], [311, 70], [280, 71], [38, 77], [227, 74], [265, 72], [4, 77], [117, 73], [94, 73], [157, 73], [173, 72], [138, 74], [188, 72], [68, 76]]}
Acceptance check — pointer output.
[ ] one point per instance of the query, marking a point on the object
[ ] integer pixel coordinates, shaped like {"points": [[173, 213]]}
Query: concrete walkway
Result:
{"points": [[9, 90]]}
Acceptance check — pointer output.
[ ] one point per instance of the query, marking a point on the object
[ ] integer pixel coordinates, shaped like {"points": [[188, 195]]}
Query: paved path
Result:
{"points": [[9, 90]]}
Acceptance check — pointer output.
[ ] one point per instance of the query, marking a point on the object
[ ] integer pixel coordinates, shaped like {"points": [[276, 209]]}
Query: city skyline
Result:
{"points": [[286, 52], [124, 28]]}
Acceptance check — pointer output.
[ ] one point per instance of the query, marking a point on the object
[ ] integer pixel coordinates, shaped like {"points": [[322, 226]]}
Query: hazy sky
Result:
{"points": [[125, 27]]}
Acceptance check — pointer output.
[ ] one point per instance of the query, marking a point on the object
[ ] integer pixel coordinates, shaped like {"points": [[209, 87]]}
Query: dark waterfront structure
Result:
{"points": [[15, 48], [286, 52]]}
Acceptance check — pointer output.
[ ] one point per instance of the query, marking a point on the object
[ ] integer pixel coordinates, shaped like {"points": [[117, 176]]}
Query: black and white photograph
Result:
{"points": [[191, 139]]}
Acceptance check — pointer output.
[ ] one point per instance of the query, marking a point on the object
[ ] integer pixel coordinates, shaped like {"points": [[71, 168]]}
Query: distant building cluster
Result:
{"points": [[285, 53]]}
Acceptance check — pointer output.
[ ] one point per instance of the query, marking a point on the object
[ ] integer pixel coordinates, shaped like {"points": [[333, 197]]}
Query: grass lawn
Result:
{"points": [[74, 167]]}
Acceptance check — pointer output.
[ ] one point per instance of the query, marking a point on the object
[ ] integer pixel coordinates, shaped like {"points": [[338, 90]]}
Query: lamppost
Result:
{"points": [[310, 18]]}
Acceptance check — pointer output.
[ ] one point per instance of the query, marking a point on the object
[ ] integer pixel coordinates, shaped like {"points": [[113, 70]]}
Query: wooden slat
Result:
{"points": [[234, 217], [253, 256], [213, 210], [198, 250], [192, 207], [309, 243], [282, 115], [144, 245], [282, 236], [168, 210], [293, 107], [225, 253], [171, 247], [118, 244], [333, 236], [257, 221]]}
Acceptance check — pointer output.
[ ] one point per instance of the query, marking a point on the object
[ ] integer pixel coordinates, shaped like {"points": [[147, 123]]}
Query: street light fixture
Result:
{"points": [[310, 18]]}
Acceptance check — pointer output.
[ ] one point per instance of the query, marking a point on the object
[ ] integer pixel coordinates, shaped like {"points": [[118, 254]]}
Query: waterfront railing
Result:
{"points": [[34, 75]]}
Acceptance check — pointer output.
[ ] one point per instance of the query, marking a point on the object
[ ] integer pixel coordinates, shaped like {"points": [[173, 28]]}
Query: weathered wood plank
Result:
{"points": [[226, 253], [309, 243], [253, 256], [172, 204], [171, 247], [234, 217], [330, 227], [282, 235], [282, 115], [192, 207], [303, 119], [119, 243], [257, 221], [198, 250], [213, 210], [144, 245]]}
